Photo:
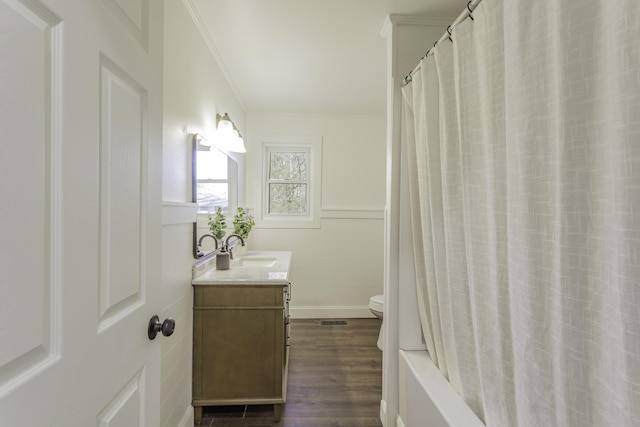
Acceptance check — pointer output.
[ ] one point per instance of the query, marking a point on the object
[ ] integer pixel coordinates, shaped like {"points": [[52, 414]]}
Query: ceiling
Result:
{"points": [[304, 56]]}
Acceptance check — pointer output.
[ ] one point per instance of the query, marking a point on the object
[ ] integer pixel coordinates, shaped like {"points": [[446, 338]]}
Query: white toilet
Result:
{"points": [[376, 306]]}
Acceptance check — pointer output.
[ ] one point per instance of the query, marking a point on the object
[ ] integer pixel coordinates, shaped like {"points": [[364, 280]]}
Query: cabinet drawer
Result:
{"points": [[212, 296]]}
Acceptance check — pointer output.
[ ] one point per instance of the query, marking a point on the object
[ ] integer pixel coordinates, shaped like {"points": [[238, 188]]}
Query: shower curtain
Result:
{"points": [[523, 138]]}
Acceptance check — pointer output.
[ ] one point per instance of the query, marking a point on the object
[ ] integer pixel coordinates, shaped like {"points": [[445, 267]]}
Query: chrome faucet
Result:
{"points": [[200, 254], [226, 244]]}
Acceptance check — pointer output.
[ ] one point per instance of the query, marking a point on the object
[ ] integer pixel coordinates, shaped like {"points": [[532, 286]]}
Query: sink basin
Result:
{"points": [[257, 261]]}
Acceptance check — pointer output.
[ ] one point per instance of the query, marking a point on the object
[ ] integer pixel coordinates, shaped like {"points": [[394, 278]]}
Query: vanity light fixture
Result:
{"points": [[227, 137]]}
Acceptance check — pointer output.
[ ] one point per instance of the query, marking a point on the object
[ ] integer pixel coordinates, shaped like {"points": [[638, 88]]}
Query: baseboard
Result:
{"points": [[335, 312], [187, 418]]}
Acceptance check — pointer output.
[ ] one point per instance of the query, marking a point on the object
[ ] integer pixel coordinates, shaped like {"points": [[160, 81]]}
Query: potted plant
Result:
{"points": [[218, 225], [242, 224]]}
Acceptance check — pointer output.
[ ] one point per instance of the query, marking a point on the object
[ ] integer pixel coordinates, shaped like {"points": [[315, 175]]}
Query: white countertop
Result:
{"points": [[206, 273]]}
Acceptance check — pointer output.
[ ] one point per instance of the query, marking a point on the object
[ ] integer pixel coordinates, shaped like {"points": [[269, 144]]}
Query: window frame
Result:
{"points": [[273, 181], [232, 186], [313, 148]]}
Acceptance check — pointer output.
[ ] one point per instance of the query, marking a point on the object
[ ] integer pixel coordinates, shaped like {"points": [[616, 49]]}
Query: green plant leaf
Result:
{"points": [[242, 223], [218, 224]]}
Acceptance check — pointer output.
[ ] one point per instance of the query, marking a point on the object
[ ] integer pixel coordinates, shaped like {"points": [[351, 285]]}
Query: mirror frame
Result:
{"points": [[234, 193], [194, 189]]}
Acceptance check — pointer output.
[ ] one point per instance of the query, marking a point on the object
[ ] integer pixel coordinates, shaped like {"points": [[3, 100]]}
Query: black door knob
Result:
{"points": [[167, 327]]}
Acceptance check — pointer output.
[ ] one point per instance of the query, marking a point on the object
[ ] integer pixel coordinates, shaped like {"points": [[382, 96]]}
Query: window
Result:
{"points": [[214, 181], [287, 182], [291, 192]]}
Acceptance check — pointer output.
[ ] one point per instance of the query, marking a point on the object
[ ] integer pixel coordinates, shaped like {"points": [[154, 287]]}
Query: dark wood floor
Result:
{"points": [[335, 380]]}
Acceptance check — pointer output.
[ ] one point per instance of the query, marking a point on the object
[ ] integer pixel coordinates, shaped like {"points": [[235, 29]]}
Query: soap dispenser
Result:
{"points": [[222, 259]]}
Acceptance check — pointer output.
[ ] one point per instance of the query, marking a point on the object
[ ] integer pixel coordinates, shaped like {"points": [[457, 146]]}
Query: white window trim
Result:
{"points": [[314, 146]]}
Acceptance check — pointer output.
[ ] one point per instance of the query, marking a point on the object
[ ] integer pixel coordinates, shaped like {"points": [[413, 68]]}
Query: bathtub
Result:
{"points": [[426, 399]]}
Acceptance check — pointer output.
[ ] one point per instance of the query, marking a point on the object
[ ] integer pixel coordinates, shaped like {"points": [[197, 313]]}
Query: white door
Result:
{"points": [[80, 188]]}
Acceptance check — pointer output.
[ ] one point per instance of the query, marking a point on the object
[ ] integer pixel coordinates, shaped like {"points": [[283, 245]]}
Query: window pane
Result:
{"points": [[213, 195], [288, 165], [211, 165], [288, 199]]}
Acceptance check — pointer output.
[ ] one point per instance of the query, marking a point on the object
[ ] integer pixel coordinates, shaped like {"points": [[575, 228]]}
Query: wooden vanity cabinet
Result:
{"points": [[240, 345]]}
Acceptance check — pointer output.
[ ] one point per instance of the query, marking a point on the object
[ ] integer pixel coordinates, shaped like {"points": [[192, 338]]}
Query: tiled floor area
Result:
{"points": [[335, 380], [255, 415]]}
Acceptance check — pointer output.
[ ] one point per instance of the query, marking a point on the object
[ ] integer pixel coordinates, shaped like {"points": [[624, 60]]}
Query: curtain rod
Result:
{"points": [[466, 13]]}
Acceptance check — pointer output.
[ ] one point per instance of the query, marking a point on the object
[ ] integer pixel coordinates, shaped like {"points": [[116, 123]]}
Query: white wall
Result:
{"points": [[338, 266], [408, 38], [194, 91]]}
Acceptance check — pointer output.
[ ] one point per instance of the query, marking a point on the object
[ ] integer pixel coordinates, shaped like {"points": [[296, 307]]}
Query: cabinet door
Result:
{"points": [[239, 357]]}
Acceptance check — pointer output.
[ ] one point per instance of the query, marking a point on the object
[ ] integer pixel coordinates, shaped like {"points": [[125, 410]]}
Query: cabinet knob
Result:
{"points": [[167, 327]]}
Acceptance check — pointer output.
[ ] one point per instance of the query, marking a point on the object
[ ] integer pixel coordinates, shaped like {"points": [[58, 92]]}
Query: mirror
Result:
{"points": [[214, 183]]}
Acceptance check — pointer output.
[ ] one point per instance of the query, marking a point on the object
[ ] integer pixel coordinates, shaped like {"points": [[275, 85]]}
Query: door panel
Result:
{"points": [[122, 143], [28, 262], [125, 408], [134, 17], [80, 180]]}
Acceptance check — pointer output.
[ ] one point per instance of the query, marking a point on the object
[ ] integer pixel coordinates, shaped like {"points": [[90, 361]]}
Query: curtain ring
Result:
{"points": [[470, 11], [449, 33]]}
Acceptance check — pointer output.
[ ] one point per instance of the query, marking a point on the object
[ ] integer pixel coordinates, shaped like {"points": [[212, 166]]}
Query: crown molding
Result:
{"points": [[400, 19], [201, 27]]}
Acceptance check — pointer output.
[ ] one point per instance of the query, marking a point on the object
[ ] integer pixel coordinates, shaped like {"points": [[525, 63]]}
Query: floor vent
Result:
{"points": [[333, 322]]}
